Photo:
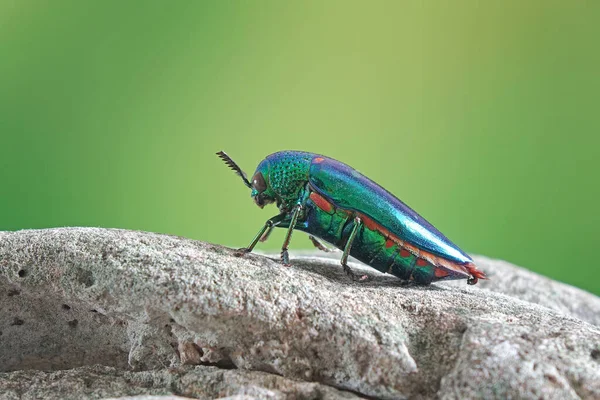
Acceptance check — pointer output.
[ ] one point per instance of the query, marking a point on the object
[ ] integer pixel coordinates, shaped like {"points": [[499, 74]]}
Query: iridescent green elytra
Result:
{"points": [[332, 201]]}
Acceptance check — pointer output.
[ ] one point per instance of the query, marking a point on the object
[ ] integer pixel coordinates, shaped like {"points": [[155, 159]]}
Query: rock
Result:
{"points": [[199, 382], [146, 397], [142, 303], [518, 282]]}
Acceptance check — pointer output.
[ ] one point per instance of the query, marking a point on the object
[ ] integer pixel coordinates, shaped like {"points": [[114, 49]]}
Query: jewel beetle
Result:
{"points": [[333, 202]]}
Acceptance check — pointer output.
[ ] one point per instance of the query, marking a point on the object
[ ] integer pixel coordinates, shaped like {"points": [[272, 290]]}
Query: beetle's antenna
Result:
{"points": [[231, 164]]}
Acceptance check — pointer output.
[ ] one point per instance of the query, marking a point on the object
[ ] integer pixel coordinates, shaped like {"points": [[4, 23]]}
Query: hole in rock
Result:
{"points": [[225, 363], [85, 277], [22, 273], [46, 341]]}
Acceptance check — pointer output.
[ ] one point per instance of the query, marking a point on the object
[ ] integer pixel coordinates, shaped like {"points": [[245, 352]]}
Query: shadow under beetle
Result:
{"points": [[332, 201]]}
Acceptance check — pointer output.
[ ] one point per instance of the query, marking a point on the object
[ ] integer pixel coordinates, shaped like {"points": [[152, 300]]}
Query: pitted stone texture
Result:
{"points": [[198, 382], [160, 296]]}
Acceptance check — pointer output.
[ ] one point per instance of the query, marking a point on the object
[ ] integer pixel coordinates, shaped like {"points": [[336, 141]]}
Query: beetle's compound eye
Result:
{"points": [[258, 182]]}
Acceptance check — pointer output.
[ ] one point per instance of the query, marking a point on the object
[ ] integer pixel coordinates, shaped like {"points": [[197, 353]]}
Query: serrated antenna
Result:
{"points": [[231, 164]]}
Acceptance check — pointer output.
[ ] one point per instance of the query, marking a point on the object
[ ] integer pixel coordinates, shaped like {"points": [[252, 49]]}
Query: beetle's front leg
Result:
{"points": [[285, 258], [271, 222], [266, 235]]}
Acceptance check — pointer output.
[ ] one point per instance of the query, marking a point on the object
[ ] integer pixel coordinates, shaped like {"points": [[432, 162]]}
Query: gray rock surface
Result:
{"points": [[516, 282], [200, 382], [141, 305]]}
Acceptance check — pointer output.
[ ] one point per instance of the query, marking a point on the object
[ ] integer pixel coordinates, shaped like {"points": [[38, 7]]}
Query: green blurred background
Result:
{"points": [[482, 115]]}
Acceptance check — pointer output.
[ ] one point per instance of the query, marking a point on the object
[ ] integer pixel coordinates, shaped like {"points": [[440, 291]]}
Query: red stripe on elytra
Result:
{"points": [[321, 202], [374, 226], [369, 223]]}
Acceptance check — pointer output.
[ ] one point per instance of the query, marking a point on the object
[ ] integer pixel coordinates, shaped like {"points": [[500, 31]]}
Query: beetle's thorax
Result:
{"points": [[288, 175]]}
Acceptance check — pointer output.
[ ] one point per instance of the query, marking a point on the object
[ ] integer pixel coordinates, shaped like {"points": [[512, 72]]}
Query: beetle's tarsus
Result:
{"points": [[319, 245], [353, 276], [285, 258], [349, 272], [242, 252]]}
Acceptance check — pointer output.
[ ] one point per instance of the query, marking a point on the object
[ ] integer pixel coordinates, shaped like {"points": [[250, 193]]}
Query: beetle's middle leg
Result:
{"points": [[285, 257], [344, 260]]}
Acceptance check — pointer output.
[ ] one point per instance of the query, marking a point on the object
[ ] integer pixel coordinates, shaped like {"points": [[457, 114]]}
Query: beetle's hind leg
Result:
{"points": [[472, 280], [319, 245], [344, 260]]}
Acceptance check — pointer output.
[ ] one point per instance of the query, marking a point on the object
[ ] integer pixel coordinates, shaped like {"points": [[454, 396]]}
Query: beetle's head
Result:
{"points": [[261, 191]]}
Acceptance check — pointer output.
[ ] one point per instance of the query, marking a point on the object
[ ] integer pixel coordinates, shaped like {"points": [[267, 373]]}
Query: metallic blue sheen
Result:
{"points": [[348, 189]]}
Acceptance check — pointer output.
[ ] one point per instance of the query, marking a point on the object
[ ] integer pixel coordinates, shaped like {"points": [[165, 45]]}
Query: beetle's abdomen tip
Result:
{"points": [[475, 274]]}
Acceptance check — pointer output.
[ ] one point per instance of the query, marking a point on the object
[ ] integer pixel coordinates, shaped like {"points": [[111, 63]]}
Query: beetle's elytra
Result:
{"points": [[332, 201]]}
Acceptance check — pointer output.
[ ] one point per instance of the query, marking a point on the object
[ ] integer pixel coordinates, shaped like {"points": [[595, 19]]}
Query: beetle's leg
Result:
{"points": [[266, 235], [271, 222], [318, 244], [472, 280], [285, 258], [344, 260]]}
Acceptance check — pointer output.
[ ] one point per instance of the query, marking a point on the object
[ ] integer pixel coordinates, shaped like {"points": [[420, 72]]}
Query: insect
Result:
{"points": [[331, 201]]}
